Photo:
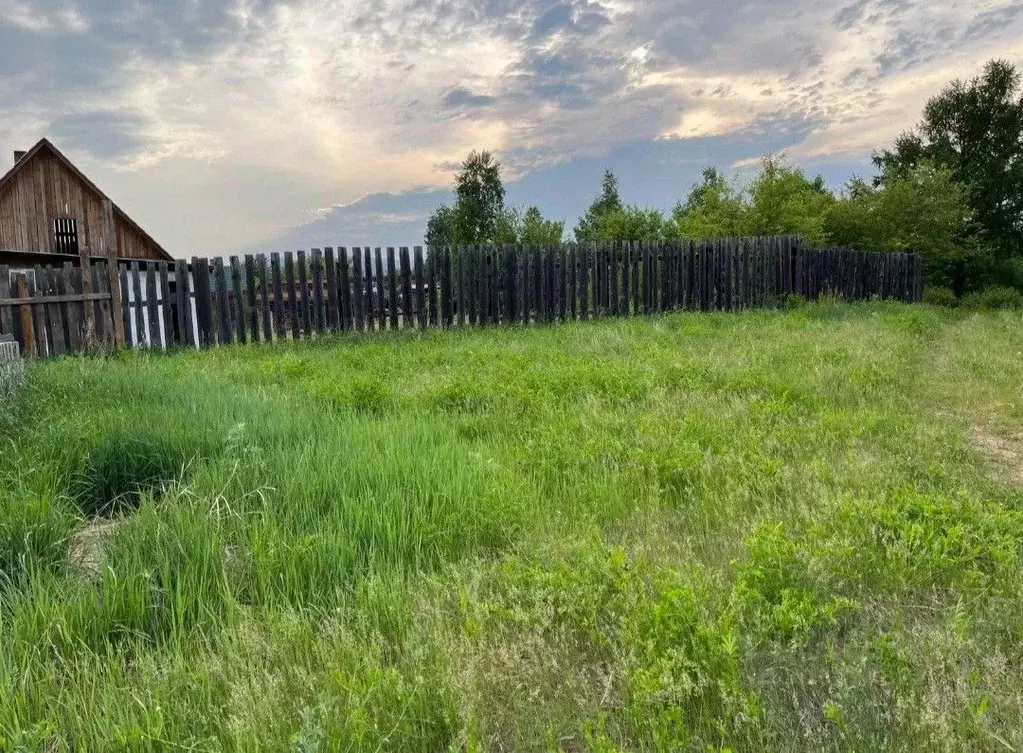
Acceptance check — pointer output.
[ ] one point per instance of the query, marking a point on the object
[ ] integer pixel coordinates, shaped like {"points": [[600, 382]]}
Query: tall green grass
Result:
{"points": [[765, 530]]}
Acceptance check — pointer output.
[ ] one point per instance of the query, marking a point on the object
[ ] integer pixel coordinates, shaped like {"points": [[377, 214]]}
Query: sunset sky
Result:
{"points": [[227, 126]]}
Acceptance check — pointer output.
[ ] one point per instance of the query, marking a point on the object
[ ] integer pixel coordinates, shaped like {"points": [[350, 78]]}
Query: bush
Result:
{"points": [[939, 296], [994, 298]]}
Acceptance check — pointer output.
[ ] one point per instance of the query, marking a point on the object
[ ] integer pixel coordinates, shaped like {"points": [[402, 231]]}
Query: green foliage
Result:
{"points": [[922, 209], [628, 223], [440, 227], [530, 226], [478, 213], [716, 207], [940, 297], [994, 298], [974, 130], [783, 201], [608, 201]]}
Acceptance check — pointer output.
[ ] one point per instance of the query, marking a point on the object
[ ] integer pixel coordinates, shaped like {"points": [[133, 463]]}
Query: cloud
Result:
{"points": [[104, 135], [460, 97]]}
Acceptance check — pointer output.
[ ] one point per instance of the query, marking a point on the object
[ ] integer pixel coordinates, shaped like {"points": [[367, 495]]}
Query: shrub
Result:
{"points": [[994, 298], [939, 296]]}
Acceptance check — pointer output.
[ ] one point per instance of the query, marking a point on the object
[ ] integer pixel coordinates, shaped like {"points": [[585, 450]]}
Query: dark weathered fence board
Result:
{"points": [[333, 315], [292, 299], [318, 315], [304, 308], [431, 284], [345, 288], [274, 324], [252, 301]]}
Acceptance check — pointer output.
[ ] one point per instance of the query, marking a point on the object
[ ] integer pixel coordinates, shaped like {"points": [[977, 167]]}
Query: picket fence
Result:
{"points": [[204, 302]]}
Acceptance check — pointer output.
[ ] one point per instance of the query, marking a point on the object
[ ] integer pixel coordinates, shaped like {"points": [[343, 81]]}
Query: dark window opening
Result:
{"points": [[65, 235]]}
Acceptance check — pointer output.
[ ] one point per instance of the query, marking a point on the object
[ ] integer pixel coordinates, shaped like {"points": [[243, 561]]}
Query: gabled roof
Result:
{"points": [[44, 144]]}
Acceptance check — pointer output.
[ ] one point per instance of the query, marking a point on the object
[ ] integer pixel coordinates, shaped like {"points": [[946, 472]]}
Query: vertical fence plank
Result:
{"points": [[6, 312], [381, 286], [366, 294], [333, 315], [432, 264], [271, 281], [392, 289], [89, 334], [102, 309], [135, 275], [358, 284], [238, 301], [183, 297], [303, 303], [292, 295], [29, 344], [318, 315], [223, 302], [447, 293], [461, 272], [511, 282], [405, 265], [420, 307], [252, 301], [584, 280], [51, 312], [166, 309], [69, 311], [345, 287], [152, 306]]}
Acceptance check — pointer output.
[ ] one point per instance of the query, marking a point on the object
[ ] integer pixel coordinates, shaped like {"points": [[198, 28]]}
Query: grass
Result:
{"points": [[703, 531]]}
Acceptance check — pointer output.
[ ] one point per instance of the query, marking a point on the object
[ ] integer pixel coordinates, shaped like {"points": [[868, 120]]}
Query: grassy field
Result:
{"points": [[775, 530]]}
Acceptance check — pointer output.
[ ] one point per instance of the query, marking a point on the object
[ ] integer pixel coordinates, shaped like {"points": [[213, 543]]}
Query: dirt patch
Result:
{"points": [[85, 548], [1005, 453]]}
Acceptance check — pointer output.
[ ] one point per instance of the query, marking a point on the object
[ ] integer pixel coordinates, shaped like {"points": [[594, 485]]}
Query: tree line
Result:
{"points": [[950, 190]]}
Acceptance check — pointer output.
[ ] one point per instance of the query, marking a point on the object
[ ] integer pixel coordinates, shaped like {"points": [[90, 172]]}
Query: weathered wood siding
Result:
{"points": [[46, 189]]}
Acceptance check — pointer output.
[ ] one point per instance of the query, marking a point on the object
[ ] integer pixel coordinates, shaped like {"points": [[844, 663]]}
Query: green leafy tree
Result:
{"points": [[783, 201], [630, 223], [539, 230], [607, 202], [715, 207], [974, 129], [924, 210], [440, 228], [478, 212], [479, 199]]}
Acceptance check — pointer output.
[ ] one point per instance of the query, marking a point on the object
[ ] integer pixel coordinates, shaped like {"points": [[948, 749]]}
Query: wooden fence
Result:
{"points": [[206, 302]]}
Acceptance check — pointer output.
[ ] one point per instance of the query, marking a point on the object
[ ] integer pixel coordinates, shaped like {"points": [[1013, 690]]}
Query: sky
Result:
{"points": [[241, 125]]}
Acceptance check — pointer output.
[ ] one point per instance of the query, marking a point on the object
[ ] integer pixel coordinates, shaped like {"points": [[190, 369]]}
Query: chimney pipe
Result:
{"points": [[18, 154]]}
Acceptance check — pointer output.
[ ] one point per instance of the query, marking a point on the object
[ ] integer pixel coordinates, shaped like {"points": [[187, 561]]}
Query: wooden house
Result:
{"points": [[50, 213]]}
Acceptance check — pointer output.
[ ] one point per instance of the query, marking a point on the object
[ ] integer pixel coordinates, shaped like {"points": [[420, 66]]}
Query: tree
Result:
{"points": [[925, 210], [440, 228], [715, 207], [974, 130], [478, 215], [607, 202], [479, 199], [629, 223], [783, 201]]}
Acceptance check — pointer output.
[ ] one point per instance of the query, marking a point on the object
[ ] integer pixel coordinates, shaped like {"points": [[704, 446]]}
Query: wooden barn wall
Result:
{"points": [[46, 189]]}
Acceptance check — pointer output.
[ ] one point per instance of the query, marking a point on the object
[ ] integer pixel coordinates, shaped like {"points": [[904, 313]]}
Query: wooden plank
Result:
{"points": [[226, 333], [275, 324], [29, 344], [562, 282], [71, 311], [447, 297], [472, 282], [381, 289], [392, 290], [184, 302], [584, 280], [318, 315], [333, 313], [358, 286], [240, 325], [125, 285], [251, 298], [484, 289], [36, 289], [166, 311], [368, 306], [101, 307], [406, 287], [420, 281], [292, 300], [431, 271], [302, 302], [511, 284], [54, 324], [141, 330], [345, 290], [7, 313]]}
